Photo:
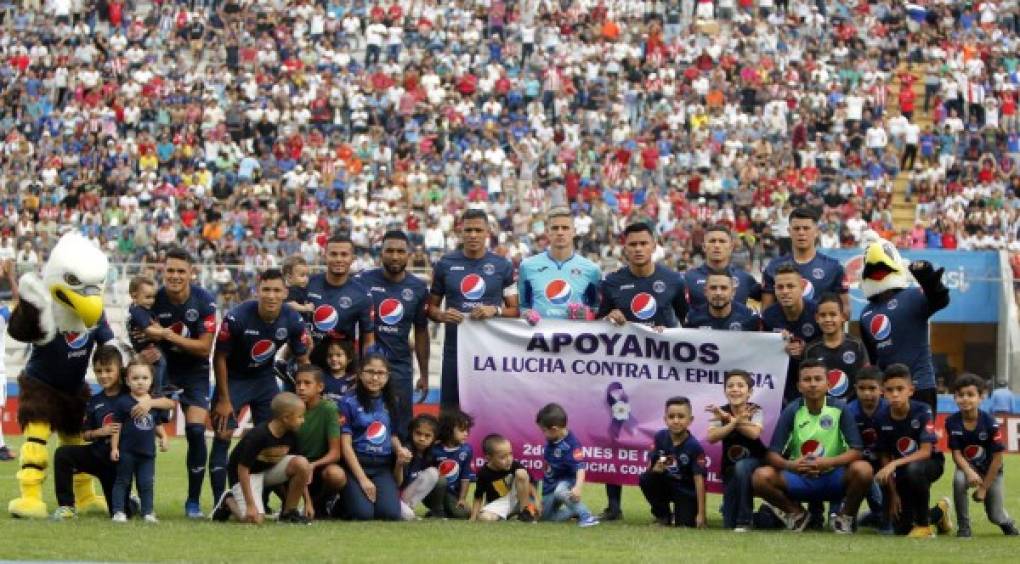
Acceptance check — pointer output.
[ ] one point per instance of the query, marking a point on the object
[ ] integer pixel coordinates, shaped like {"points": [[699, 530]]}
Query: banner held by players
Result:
{"points": [[612, 381]]}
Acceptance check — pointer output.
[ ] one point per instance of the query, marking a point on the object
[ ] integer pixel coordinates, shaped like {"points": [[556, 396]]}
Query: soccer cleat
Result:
{"points": [[294, 517], [1009, 529], [222, 510], [150, 518], [945, 524], [589, 521], [119, 517], [963, 532], [64, 513], [6, 454], [611, 514], [193, 510], [796, 523], [921, 532], [842, 524]]}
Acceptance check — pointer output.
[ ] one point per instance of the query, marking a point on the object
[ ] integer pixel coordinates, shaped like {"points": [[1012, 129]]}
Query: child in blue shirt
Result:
{"points": [[453, 456], [674, 483], [142, 290], [564, 469]]}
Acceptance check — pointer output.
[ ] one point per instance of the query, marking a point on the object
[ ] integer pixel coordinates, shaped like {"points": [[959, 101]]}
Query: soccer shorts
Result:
{"points": [[272, 477], [194, 385], [827, 487], [504, 506]]}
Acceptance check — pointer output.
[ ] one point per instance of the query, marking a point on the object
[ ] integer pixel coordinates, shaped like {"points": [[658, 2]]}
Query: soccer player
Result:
{"points": [[185, 317], [814, 455], [910, 460], [246, 346], [718, 246], [550, 282], [819, 273], [475, 283], [641, 292], [843, 353], [721, 310], [342, 306], [794, 317], [401, 301], [976, 443]]}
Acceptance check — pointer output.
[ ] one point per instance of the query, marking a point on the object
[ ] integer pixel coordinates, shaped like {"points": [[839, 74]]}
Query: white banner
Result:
{"points": [[612, 381]]}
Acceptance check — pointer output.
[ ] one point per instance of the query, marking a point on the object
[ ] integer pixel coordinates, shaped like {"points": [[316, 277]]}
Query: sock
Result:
{"points": [[614, 494], [218, 467], [197, 454]]}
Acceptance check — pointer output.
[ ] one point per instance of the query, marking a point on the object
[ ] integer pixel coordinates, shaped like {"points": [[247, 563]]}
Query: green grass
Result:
{"points": [[175, 538]]}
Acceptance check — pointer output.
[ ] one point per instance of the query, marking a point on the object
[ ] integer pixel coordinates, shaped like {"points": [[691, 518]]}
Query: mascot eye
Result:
{"points": [[72, 280], [889, 250]]}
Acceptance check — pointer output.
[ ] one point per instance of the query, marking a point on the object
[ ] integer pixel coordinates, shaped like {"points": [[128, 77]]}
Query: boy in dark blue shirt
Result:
{"points": [[868, 403], [564, 469], [910, 461], [674, 484], [976, 444], [142, 290]]}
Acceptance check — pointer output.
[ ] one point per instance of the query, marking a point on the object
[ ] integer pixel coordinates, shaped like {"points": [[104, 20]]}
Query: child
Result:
{"points": [[9, 272], [70, 462], [132, 446], [868, 403], [266, 457], [738, 425], [564, 473], [142, 290], [843, 354], [419, 477], [295, 276], [503, 485], [319, 438], [910, 464], [676, 474], [370, 449], [453, 456], [335, 358], [976, 444]]}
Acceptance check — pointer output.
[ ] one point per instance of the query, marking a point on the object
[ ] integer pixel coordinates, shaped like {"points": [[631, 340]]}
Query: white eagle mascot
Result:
{"points": [[61, 316]]}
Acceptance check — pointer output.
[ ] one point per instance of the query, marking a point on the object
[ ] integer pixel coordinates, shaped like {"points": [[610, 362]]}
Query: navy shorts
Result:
{"points": [[827, 487], [256, 393], [194, 386]]}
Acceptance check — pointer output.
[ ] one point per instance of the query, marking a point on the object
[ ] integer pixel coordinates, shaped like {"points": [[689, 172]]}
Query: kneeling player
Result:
{"points": [[503, 484]]}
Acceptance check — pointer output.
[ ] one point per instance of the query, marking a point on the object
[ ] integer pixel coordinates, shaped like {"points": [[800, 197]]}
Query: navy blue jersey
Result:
{"points": [[741, 318], [895, 330], [398, 307], [902, 437], [820, 275], [63, 362], [842, 363], [299, 295], [98, 414], [370, 429], [336, 388], [654, 300], [419, 463], [867, 426], [684, 461], [466, 283], [250, 343], [563, 458], [192, 319], [454, 465], [137, 434], [744, 286], [977, 445], [804, 327], [736, 446], [341, 312], [138, 319]]}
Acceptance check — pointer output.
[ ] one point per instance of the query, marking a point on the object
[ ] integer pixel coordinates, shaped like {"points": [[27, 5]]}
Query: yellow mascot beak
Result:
{"points": [[88, 304], [878, 264]]}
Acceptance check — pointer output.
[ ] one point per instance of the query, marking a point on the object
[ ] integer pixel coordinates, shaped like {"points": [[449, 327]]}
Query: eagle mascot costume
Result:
{"points": [[61, 316], [894, 322]]}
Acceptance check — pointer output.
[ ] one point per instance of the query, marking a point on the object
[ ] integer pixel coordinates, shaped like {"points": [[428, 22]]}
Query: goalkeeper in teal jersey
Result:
{"points": [[559, 283]]}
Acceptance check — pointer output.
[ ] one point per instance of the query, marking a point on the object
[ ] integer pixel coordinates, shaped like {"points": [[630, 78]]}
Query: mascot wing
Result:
{"points": [[32, 318]]}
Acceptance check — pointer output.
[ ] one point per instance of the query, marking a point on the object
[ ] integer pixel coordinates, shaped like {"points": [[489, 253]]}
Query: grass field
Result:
{"points": [[175, 538]]}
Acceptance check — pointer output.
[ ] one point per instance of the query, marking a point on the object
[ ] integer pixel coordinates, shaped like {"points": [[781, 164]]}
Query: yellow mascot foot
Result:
{"points": [[85, 499], [96, 506], [27, 508]]}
